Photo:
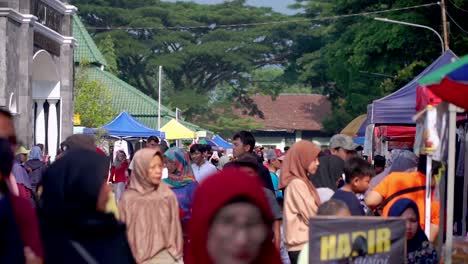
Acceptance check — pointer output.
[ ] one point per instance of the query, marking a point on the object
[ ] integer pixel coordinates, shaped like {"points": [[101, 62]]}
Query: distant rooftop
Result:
{"points": [[291, 111]]}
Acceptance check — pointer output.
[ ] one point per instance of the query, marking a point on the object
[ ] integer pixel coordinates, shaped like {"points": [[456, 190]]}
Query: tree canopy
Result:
{"points": [[221, 54]]}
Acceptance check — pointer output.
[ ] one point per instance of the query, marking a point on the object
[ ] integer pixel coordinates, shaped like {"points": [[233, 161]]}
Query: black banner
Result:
{"points": [[357, 240]]}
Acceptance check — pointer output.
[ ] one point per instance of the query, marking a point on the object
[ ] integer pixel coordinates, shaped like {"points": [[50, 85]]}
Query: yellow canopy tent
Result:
{"points": [[352, 128], [175, 130]]}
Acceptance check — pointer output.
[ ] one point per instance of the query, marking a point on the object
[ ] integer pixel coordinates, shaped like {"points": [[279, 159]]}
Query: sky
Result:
{"points": [[277, 5]]}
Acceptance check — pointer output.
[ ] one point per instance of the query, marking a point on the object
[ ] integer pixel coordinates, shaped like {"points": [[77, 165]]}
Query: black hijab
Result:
{"points": [[420, 237], [72, 185], [68, 214]]}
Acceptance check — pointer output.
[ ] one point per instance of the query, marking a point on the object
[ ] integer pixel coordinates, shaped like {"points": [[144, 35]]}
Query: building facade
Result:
{"points": [[289, 118], [36, 69]]}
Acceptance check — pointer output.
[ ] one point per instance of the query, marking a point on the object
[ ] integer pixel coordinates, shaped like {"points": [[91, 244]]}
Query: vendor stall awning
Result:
{"points": [[124, 125], [222, 142], [400, 106], [352, 128], [175, 130]]}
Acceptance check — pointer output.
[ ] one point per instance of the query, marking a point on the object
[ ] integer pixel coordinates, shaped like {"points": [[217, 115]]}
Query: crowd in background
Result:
{"points": [[175, 205]]}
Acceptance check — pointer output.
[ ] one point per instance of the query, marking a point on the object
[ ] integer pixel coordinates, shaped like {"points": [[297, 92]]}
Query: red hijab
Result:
{"points": [[216, 192]]}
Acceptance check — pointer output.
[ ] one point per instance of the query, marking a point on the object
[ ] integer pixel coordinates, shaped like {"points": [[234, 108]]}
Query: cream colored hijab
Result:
{"points": [[139, 180], [295, 165], [151, 213]]}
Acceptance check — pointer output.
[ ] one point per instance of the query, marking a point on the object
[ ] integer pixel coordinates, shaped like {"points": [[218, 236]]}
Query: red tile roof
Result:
{"points": [[291, 111]]}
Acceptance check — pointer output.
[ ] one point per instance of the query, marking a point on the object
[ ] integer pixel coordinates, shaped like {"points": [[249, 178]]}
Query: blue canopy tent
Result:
{"points": [[221, 142], [399, 107], [206, 141], [124, 125]]}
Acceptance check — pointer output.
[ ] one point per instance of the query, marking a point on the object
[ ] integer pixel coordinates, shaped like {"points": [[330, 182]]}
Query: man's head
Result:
{"points": [[247, 163], [7, 128], [152, 142], [343, 146], [79, 141], [334, 207], [273, 160], [358, 173], [197, 153], [243, 142], [379, 164]]}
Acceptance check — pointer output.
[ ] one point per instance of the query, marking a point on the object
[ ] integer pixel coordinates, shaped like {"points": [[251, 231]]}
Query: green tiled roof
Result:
{"points": [[127, 98], [124, 96], [86, 51]]}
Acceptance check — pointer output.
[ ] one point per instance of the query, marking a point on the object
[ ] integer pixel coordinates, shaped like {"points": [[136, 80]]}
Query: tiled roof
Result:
{"points": [[127, 98], [292, 111], [124, 96], [86, 51]]}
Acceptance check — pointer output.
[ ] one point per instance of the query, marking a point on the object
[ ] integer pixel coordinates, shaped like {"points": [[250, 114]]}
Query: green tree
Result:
{"points": [[343, 57], [189, 41], [92, 100], [106, 46]]}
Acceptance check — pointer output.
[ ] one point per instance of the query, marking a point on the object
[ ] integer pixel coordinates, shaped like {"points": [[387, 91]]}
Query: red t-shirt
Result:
{"points": [[119, 174]]}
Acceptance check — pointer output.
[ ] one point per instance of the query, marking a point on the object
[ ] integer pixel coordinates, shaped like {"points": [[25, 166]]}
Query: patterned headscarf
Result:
{"points": [[183, 174]]}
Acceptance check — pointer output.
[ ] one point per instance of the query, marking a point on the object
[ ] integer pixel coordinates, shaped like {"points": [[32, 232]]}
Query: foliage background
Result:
{"points": [[210, 68]]}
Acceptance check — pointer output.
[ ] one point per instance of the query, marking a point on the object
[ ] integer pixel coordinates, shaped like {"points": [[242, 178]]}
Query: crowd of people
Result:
{"points": [[173, 205]]}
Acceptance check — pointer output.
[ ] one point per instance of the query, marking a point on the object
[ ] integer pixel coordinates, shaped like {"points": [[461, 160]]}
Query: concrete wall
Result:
{"points": [[16, 53]]}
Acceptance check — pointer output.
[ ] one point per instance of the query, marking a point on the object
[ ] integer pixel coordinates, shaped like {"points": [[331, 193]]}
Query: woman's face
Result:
{"points": [[313, 166], [121, 156], [411, 222], [236, 234], [170, 165], [155, 170]]}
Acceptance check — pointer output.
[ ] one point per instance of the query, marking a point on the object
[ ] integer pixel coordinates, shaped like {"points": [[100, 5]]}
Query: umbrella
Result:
{"points": [[450, 82], [352, 128]]}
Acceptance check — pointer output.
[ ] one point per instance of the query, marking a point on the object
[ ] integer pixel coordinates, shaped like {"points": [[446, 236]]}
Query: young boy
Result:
{"points": [[358, 173]]}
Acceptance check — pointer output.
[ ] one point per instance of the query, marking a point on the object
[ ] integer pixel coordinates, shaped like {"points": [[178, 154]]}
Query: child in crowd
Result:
{"points": [[358, 173]]}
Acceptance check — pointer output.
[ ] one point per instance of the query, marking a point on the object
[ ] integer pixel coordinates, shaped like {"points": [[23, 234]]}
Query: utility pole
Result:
{"points": [[159, 97], [444, 24]]}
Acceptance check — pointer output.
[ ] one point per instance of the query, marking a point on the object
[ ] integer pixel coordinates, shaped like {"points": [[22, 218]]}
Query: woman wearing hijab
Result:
{"points": [[301, 198], [118, 175], [74, 224], [181, 179], [419, 249], [36, 167], [150, 210], [236, 226], [22, 178]]}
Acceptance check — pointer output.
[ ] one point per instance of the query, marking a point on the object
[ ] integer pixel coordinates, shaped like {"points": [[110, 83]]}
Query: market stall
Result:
{"points": [[174, 131], [450, 83], [126, 126]]}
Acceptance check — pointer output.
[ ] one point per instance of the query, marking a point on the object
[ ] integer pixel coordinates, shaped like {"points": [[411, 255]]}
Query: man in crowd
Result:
{"points": [[274, 165], [200, 166], [152, 143], [244, 143], [330, 170]]}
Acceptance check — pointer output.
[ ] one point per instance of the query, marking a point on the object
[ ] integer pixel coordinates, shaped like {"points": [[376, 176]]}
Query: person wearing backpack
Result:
{"points": [[409, 183]]}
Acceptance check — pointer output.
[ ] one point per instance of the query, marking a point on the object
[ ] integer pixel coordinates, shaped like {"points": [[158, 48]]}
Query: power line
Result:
{"points": [[455, 22], [458, 6], [214, 26]]}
